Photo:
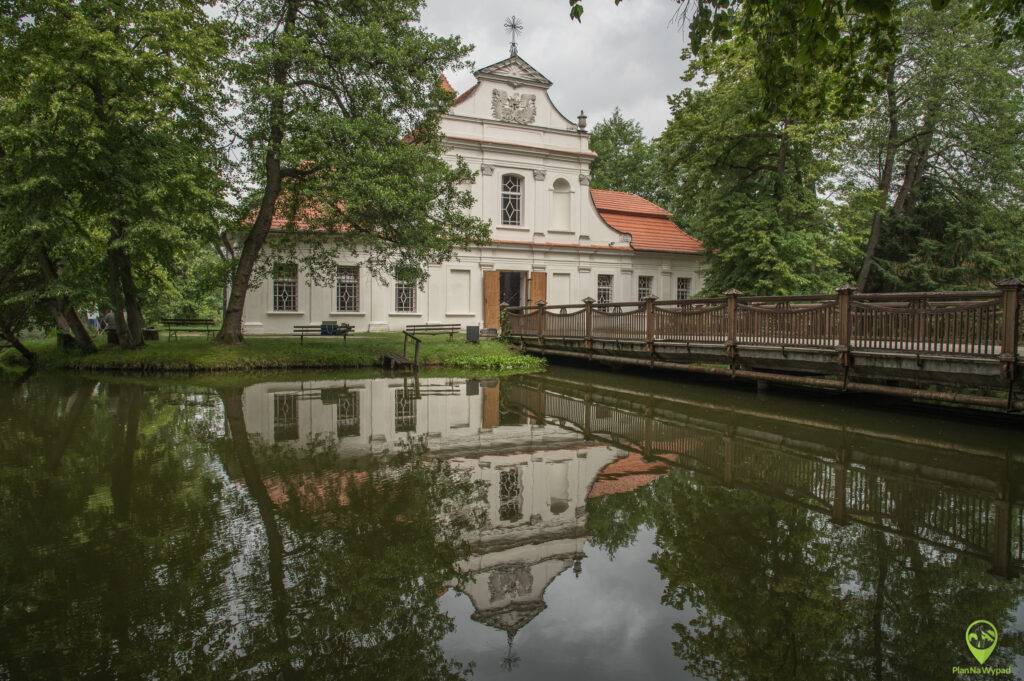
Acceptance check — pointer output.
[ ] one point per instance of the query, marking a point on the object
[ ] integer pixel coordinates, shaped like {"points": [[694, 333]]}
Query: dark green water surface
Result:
{"points": [[569, 525]]}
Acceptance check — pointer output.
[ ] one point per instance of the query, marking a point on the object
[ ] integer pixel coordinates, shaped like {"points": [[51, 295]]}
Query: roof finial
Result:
{"points": [[514, 27]]}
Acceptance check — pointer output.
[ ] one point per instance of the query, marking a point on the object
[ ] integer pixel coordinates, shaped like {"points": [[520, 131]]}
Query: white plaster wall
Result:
{"points": [[377, 305], [549, 149]]}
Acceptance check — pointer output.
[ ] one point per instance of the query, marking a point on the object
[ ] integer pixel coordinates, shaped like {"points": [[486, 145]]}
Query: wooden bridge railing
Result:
{"points": [[957, 323]]}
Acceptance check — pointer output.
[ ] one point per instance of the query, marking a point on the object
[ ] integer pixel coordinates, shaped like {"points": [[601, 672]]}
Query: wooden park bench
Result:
{"points": [[328, 329], [430, 329], [175, 325]]}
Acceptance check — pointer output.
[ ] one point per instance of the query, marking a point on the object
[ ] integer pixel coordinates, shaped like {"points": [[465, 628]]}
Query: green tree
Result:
{"points": [[625, 160], [938, 150], [747, 183], [340, 126], [108, 144], [795, 41]]}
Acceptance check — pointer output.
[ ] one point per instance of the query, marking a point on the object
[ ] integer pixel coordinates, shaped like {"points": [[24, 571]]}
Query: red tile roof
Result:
{"points": [[650, 226], [627, 474], [445, 85], [465, 95]]}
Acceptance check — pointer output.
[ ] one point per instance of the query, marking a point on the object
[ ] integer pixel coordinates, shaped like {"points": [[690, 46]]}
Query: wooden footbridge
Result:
{"points": [[961, 347], [954, 491]]}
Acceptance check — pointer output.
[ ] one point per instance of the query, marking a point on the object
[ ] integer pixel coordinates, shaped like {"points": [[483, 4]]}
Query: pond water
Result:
{"points": [[566, 525]]}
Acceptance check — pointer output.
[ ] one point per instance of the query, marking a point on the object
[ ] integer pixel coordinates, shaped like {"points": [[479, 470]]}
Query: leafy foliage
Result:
{"points": [[340, 130], [746, 183], [108, 155], [625, 161]]}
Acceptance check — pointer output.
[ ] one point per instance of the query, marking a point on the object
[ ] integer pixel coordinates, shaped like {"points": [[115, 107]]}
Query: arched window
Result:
{"points": [[511, 200], [560, 206]]}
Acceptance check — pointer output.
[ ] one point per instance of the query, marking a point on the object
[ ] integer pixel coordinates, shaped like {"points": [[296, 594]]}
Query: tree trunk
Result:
{"points": [[780, 161], [132, 307], [884, 179], [241, 448], [231, 327], [16, 343], [117, 302], [64, 313]]}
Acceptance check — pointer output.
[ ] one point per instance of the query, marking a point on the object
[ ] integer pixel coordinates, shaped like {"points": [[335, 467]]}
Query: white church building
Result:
{"points": [[553, 238]]}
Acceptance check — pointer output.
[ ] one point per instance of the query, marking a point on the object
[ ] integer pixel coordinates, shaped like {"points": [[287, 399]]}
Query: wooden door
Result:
{"points": [[538, 287], [490, 411], [492, 295]]}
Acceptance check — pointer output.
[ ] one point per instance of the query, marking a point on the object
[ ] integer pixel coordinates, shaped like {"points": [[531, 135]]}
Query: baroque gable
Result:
{"points": [[515, 70]]}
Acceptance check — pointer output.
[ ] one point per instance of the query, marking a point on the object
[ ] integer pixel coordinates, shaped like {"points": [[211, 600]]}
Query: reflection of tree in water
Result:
{"points": [[137, 541], [779, 592], [349, 585], [109, 553]]}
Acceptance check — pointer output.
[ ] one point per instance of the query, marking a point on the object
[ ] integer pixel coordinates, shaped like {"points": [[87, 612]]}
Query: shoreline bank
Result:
{"points": [[197, 354]]}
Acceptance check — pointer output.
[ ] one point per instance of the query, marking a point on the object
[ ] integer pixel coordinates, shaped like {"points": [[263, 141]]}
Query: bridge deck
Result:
{"points": [[966, 340]]}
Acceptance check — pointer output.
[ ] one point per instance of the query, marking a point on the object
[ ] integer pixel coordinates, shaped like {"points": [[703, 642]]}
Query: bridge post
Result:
{"points": [[1011, 289], [1001, 564], [731, 303], [844, 310], [649, 322], [588, 319], [541, 305]]}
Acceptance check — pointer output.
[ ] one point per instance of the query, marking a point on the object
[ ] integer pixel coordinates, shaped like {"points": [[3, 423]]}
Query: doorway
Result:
{"points": [[502, 287], [510, 285]]}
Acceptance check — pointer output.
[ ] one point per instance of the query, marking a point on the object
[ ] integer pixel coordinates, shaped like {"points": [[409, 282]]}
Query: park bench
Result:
{"points": [[430, 329], [175, 325], [328, 329]]}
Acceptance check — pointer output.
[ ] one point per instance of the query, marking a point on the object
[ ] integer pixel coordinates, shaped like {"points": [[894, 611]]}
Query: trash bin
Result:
{"points": [[472, 334]]}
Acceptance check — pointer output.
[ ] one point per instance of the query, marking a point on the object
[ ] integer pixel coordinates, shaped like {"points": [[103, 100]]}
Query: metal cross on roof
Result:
{"points": [[514, 27]]}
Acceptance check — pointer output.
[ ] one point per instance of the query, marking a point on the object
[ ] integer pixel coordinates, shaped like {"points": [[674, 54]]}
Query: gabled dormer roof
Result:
{"points": [[514, 70]]}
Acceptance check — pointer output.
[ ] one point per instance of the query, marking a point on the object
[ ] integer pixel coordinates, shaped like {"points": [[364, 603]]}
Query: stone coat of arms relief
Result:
{"points": [[515, 108]]}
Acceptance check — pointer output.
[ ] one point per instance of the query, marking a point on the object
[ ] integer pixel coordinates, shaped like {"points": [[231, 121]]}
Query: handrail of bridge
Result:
{"points": [[947, 323]]}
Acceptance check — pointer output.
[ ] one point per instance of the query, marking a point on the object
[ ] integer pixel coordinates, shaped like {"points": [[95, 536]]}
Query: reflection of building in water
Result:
{"points": [[538, 475], [535, 528], [374, 415]]}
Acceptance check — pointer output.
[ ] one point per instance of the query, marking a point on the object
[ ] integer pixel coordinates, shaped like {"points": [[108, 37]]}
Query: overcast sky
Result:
{"points": [[626, 56]]}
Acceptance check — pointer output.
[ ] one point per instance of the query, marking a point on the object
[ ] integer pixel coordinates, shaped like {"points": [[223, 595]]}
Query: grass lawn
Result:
{"points": [[191, 353]]}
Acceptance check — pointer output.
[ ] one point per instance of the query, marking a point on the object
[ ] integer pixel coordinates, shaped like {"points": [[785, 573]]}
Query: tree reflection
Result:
{"points": [[778, 592], [145, 534], [107, 548], [355, 559]]}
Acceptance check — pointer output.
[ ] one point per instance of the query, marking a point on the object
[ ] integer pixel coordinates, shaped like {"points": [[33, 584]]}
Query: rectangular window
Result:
{"points": [[286, 418], [405, 297], [286, 287], [346, 295], [682, 288], [405, 411], [604, 288], [511, 200], [348, 414], [644, 286], [510, 495]]}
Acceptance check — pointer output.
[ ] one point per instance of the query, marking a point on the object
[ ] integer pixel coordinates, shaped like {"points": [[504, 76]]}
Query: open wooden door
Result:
{"points": [[490, 411], [538, 287], [492, 300]]}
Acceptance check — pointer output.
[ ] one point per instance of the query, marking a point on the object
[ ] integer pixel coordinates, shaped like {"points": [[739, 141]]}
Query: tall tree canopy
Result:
{"points": [[794, 41], [920, 187], [340, 126], [747, 183], [938, 150], [625, 160], [108, 152]]}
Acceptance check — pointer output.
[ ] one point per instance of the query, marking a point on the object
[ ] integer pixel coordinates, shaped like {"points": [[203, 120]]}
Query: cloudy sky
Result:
{"points": [[626, 56]]}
